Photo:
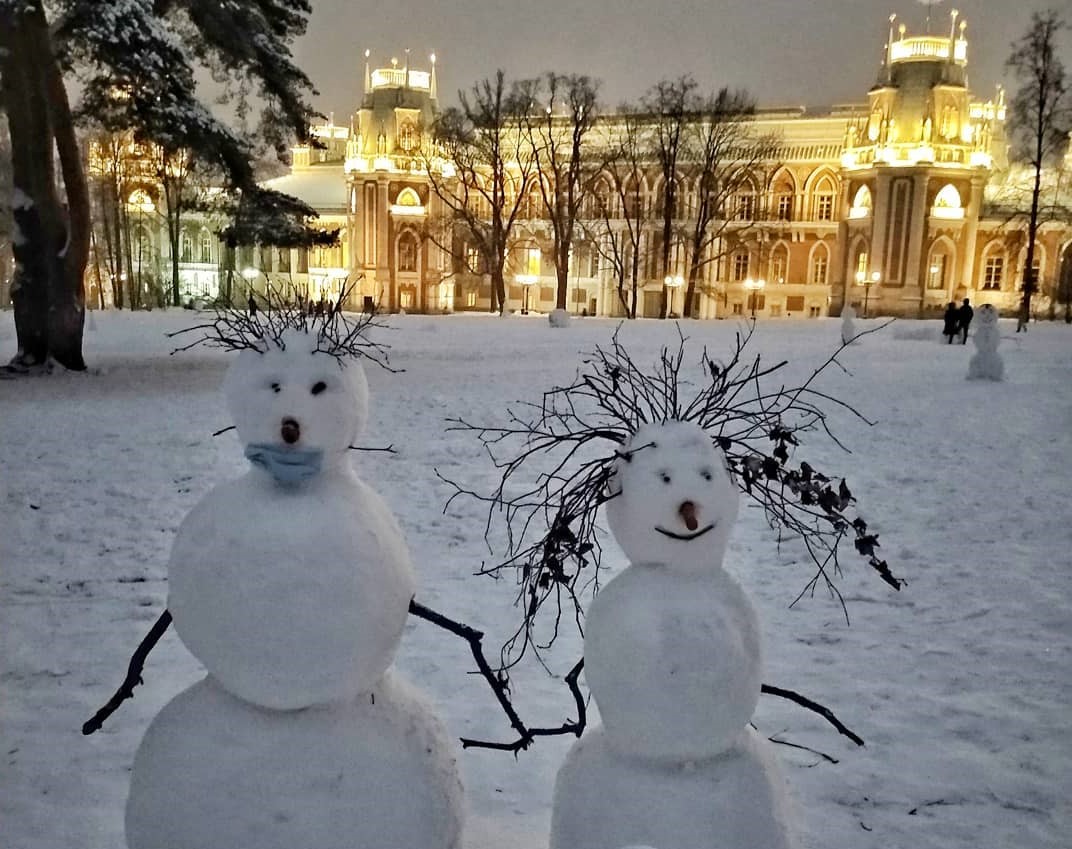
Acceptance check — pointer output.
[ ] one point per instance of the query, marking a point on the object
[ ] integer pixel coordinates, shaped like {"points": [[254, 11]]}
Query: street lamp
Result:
{"points": [[672, 282], [753, 286], [867, 288]]}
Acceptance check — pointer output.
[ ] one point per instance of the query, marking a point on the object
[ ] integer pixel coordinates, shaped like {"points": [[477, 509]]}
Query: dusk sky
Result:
{"points": [[785, 52]]}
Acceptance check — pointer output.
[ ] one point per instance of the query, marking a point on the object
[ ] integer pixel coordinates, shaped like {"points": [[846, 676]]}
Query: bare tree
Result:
{"points": [[727, 156], [560, 135], [616, 227], [672, 107], [1041, 118], [480, 171]]}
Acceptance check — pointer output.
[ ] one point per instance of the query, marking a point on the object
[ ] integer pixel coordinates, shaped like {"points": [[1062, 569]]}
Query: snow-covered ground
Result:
{"points": [[960, 684]]}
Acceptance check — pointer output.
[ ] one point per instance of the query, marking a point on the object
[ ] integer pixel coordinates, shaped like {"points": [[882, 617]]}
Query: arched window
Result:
{"points": [[679, 199], [993, 269], [822, 203], [408, 137], [778, 271], [947, 203], [861, 261], [819, 265], [206, 246], [186, 254], [408, 197], [534, 205], [783, 194], [407, 251], [600, 203], [740, 262], [632, 197], [861, 203], [940, 266], [744, 204]]}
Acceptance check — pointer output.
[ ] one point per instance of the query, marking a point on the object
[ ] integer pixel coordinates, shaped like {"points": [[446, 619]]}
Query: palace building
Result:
{"points": [[897, 204]]}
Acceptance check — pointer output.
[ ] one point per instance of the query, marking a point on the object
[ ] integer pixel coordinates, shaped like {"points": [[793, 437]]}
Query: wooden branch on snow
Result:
{"points": [[133, 679]]}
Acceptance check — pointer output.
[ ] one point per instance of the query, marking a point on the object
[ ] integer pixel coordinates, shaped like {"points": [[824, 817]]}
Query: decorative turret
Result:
{"points": [[919, 110], [398, 105]]}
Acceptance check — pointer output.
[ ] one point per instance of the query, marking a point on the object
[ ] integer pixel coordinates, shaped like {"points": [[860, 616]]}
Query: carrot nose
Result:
{"points": [[687, 511], [290, 430]]}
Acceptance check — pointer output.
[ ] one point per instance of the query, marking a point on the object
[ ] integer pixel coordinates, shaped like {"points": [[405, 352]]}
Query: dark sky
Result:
{"points": [[785, 52]]}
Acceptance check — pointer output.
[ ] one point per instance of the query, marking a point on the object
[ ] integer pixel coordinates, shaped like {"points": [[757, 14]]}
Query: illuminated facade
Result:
{"points": [[897, 205]]}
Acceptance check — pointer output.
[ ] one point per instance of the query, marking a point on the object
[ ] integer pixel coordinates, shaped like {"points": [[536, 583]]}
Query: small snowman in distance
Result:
{"points": [[292, 586], [986, 362], [848, 323], [673, 659]]}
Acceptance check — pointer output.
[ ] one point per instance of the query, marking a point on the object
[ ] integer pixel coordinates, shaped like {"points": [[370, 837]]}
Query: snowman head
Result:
{"points": [[987, 316], [297, 408], [674, 500]]}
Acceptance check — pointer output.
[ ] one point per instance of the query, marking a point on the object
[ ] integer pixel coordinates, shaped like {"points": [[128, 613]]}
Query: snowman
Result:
{"points": [[291, 585], [673, 659], [848, 324], [986, 362]]}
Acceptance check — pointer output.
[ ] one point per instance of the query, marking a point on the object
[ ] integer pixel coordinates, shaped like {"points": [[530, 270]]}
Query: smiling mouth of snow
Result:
{"points": [[686, 537]]}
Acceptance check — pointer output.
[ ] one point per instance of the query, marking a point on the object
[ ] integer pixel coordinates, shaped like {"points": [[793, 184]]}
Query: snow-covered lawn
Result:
{"points": [[960, 684]]}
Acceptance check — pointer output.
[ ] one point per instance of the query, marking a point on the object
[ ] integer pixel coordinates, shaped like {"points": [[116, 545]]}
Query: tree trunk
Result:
{"points": [[51, 252]]}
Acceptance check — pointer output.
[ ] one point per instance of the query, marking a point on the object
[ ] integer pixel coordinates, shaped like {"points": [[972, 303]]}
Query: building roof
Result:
{"points": [[322, 186]]}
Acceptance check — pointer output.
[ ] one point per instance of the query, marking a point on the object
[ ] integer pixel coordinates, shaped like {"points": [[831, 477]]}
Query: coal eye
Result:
{"points": [[275, 387], [319, 387], [665, 477], [706, 474]]}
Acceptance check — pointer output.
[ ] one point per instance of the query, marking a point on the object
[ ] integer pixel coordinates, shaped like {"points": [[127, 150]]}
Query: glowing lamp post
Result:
{"points": [[867, 288], [672, 282], [754, 286]]}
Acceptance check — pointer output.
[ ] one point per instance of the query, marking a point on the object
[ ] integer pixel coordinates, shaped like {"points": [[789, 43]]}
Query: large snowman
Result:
{"points": [[986, 362], [673, 659], [291, 585]]}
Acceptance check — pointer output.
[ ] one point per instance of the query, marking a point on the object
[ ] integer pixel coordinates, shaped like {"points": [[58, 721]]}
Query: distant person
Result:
{"points": [[964, 320], [951, 321], [251, 304]]}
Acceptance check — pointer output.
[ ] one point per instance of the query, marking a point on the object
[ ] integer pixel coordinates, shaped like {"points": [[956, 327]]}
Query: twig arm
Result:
{"points": [[133, 679], [815, 707], [498, 684]]}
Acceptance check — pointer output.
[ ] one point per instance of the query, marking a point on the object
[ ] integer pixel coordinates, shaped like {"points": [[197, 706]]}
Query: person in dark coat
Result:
{"points": [[252, 305], [951, 323], [964, 319]]}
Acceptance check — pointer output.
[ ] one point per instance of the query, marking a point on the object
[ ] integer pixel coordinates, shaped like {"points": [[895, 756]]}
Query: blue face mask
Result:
{"points": [[287, 465]]}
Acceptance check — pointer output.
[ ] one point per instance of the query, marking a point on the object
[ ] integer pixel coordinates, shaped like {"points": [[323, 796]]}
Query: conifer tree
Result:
{"points": [[135, 62]]}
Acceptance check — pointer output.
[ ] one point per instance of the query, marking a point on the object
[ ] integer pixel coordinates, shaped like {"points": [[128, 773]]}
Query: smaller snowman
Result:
{"points": [[673, 659], [848, 323], [291, 584], [986, 362]]}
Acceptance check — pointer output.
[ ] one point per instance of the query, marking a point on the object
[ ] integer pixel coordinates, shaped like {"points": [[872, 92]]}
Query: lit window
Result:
{"points": [[824, 207], [785, 207], [740, 266], [187, 253], [745, 209], [937, 271], [994, 272], [818, 268], [407, 252], [530, 263], [206, 246], [472, 259], [408, 137], [861, 265]]}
